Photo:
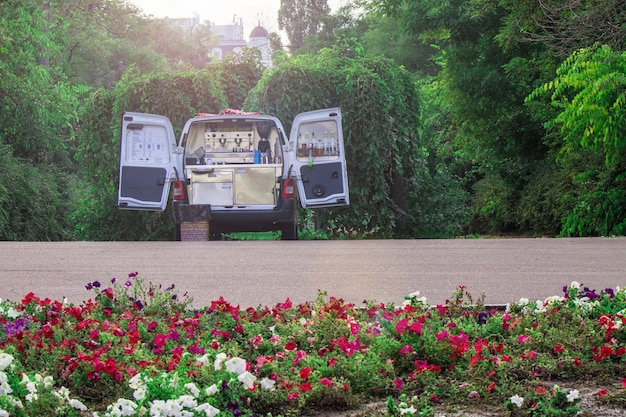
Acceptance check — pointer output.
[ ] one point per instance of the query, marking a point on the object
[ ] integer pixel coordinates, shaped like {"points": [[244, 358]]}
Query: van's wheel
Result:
{"points": [[290, 231]]}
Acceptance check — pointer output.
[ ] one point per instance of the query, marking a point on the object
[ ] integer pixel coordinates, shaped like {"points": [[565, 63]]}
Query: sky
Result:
{"points": [[219, 12]]}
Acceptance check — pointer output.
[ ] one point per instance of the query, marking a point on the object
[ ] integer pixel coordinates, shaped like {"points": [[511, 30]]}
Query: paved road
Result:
{"points": [[266, 273]]}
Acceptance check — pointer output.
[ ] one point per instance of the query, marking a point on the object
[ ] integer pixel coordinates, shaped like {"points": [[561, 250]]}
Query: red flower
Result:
{"points": [[398, 383], [306, 387], [602, 392], [293, 395], [559, 349], [290, 346], [491, 387], [541, 390], [623, 382], [332, 361], [304, 372]]}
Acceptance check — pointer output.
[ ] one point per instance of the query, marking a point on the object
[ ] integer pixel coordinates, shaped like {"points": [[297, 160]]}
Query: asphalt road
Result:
{"points": [[266, 273]]}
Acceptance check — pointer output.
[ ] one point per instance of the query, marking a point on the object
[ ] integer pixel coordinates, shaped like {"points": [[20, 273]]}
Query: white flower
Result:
{"points": [[575, 284], [13, 313], [78, 405], [193, 389], [187, 401], [204, 359], [32, 397], [208, 409], [517, 400], [5, 360], [62, 393], [247, 379], [523, 301], [5, 388], [140, 393], [157, 408], [135, 382], [4, 413], [268, 384], [219, 360], [410, 409], [212, 390], [573, 395], [236, 365]]}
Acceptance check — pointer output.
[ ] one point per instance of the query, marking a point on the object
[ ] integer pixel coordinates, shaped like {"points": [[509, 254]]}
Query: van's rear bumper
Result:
{"points": [[226, 221]]}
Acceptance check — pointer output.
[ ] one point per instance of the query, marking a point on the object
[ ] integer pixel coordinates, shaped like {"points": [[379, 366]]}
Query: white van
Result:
{"points": [[234, 171]]}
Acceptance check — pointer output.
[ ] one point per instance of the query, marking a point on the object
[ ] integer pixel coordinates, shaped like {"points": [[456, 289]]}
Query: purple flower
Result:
{"points": [[128, 283], [610, 292], [113, 280], [133, 274], [139, 305]]}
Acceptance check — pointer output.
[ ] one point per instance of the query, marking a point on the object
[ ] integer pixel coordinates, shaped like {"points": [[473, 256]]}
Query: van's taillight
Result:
{"points": [[288, 190], [179, 190]]}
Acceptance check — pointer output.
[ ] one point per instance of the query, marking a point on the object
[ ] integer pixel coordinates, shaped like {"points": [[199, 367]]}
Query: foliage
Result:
{"points": [[138, 348], [34, 200], [380, 105], [240, 72], [590, 92], [301, 18], [178, 96], [589, 95]]}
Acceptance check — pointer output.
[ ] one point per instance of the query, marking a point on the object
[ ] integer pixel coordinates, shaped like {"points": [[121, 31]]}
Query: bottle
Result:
{"points": [[300, 146], [326, 148], [334, 149], [319, 150], [309, 147]]}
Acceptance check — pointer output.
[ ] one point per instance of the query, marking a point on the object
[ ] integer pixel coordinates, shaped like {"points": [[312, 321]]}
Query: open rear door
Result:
{"points": [[148, 162], [319, 161]]}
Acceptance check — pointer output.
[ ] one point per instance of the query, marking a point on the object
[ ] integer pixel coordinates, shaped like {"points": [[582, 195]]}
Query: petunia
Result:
{"points": [[208, 409], [247, 379], [573, 395], [212, 390], [236, 365], [269, 384], [193, 389], [78, 405], [517, 400], [220, 358], [187, 401], [5, 360]]}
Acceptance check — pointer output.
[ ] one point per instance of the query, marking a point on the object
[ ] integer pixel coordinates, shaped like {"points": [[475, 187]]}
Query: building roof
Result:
{"points": [[259, 32]]}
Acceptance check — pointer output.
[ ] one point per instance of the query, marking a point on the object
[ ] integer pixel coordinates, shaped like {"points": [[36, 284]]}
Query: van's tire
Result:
{"points": [[290, 232]]}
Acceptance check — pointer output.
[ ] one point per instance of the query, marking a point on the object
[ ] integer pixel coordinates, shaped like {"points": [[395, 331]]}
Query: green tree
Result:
{"points": [[240, 72], [590, 95], [300, 19], [387, 167], [176, 95]]}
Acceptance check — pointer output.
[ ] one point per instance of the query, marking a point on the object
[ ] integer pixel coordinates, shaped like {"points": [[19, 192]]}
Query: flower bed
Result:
{"points": [[138, 349]]}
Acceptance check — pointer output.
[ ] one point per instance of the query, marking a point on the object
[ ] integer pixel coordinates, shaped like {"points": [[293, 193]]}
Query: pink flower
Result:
{"points": [[327, 382], [406, 350], [522, 338], [398, 383], [442, 335]]}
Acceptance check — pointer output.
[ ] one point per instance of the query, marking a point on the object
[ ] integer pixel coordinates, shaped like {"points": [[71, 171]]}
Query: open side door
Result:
{"points": [[319, 161], [148, 162]]}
